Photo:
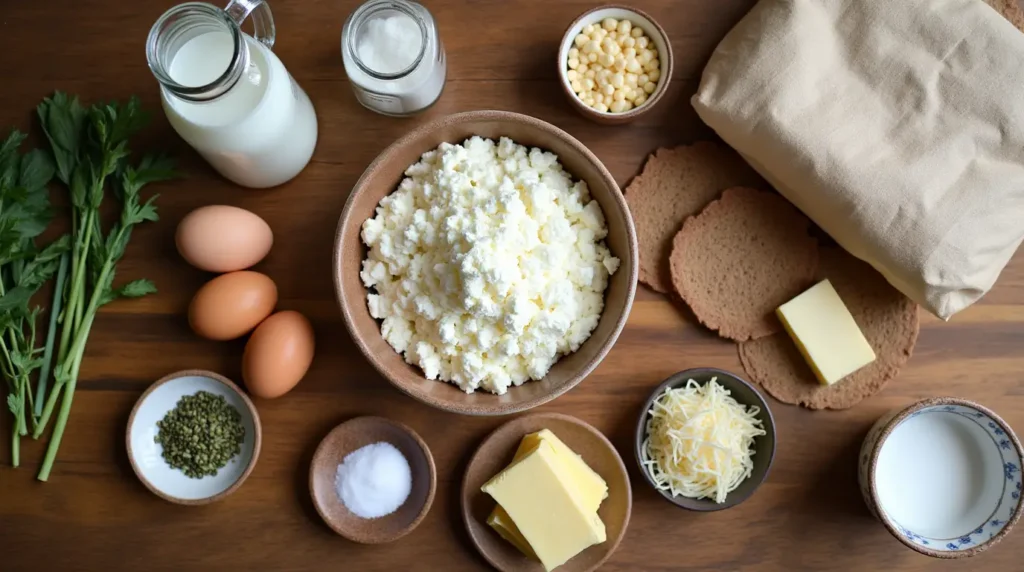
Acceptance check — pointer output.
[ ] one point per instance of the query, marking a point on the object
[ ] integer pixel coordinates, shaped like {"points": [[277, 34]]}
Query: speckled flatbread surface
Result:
{"points": [[743, 256], [675, 184], [888, 319]]}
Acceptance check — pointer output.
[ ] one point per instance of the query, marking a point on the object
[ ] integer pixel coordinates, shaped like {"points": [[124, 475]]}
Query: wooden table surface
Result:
{"points": [[94, 514]]}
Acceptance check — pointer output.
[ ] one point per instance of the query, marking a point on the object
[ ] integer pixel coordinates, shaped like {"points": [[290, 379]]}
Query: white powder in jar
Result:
{"points": [[390, 44], [373, 481], [380, 44]]}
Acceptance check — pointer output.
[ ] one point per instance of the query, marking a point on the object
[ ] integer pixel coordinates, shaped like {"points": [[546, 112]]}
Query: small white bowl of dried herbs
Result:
{"points": [[193, 437]]}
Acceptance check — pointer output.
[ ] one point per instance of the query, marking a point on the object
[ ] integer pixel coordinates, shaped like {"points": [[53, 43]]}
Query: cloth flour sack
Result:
{"points": [[896, 125]]}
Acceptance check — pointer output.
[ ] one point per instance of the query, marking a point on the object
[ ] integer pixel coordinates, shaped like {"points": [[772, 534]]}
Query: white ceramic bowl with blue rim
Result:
{"points": [[145, 453], [943, 475]]}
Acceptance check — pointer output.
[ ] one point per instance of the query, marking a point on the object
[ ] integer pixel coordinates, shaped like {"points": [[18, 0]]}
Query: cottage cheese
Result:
{"points": [[487, 264]]}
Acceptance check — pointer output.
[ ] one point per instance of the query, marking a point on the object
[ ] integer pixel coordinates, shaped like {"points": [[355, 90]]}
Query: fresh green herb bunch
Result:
{"points": [[24, 268], [89, 155], [201, 434]]}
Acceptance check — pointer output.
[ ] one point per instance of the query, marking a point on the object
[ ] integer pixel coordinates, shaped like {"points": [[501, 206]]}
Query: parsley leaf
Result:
{"points": [[63, 120], [137, 289]]}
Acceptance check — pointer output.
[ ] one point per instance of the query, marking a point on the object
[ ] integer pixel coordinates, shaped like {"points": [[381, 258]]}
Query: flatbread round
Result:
{"points": [[1010, 9], [740, 258], [676, 184], [888, 319]]}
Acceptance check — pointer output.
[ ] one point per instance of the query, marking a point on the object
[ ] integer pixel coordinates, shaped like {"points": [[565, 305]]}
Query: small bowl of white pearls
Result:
{"points": [[615, 63]]}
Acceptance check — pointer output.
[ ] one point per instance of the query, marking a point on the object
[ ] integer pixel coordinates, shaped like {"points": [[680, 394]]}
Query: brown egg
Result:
{"points": [[221, 238], [231, 305], [278, 354]]}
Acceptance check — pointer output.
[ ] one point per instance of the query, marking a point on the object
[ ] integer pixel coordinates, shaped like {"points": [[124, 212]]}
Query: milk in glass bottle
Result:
{"points": [[228, 95]]}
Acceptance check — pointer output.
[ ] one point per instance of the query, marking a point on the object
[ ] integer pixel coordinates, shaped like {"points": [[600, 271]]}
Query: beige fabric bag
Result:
{"points": [[896, 125]]}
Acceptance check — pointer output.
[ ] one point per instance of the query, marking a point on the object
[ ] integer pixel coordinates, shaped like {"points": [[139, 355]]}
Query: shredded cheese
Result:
{"points": [[700, 441]]}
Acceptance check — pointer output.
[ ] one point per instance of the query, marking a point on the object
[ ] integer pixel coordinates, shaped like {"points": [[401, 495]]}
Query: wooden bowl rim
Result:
{"points": [[876, 449], [481, 450], [256, 446], [698, 505], [427, 502], [668, 65], [373, 169]]}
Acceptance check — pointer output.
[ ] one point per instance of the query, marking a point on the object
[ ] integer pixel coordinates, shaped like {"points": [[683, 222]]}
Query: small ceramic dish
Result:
{"points": [[346, 438], [146, 455], [764, 446], [651, 28], [943, 475], [496, 452]]}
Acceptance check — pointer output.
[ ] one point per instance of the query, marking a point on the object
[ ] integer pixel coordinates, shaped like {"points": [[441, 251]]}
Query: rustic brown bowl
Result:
{"points": [[764, 446], [653, 30], [145, 455], [348, 437], [495, 453], [383, 176]]}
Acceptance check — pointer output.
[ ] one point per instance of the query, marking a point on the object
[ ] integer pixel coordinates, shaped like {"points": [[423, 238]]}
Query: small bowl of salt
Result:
{"points": [[372, 480]]}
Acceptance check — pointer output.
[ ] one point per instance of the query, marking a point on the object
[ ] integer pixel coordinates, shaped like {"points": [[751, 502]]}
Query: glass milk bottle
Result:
{"points": [[228, 95]]}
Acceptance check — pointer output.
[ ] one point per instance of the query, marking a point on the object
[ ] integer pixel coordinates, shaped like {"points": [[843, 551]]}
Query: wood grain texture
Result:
{"points": [[95, 515]]}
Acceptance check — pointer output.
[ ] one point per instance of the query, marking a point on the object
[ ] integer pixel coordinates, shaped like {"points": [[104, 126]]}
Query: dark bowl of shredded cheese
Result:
{"points": [[705, 439]]}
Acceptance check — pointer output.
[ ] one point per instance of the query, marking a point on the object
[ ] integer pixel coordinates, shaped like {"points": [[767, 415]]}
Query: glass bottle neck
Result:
{"points": [[177, 27]]}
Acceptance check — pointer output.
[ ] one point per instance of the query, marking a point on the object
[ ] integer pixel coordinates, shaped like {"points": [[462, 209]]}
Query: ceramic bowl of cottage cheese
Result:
{"points": [[944, 476], [485, 263]]}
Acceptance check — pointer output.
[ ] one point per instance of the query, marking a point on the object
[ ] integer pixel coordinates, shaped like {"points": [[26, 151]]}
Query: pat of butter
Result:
{"points": [[502, 523], [538, 496], [826, 333], [588, 485]]}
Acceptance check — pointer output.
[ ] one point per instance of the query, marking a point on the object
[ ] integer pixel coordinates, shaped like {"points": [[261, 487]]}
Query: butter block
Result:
{"points": [[502, 523], [826, 333], [538, 496], [588, 485]]}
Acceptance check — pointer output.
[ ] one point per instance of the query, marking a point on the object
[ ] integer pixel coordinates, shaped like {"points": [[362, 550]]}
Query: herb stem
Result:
{"points": [[51, 402], [51, 333], [14, 387], [73, 313], [58, 428], [69, 395], [15, 448], [21, 426], [9, 373], [31, 401], [77, 353]]}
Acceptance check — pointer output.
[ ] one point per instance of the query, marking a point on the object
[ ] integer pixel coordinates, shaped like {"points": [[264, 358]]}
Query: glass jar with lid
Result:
{"points": [[393, 57]]}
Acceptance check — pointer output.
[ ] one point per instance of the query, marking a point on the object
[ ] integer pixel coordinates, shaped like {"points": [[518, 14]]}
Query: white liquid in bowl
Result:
{"points": [[939, 474]]}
